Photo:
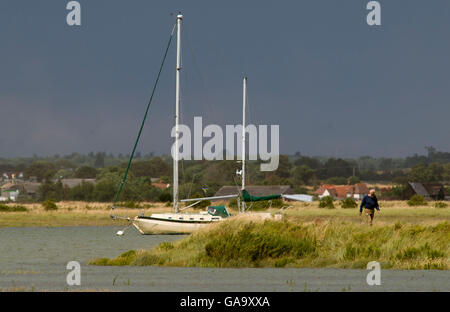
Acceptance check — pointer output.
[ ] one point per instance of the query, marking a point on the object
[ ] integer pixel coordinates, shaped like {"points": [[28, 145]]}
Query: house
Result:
{"points": [[256, 190], [9, 192], [12, 177], [161, 185], [357, 191], [31, 188], [156, 182], [431, 191]]}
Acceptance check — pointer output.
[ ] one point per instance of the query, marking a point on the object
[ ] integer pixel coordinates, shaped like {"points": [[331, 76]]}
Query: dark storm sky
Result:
{"points": [[335, 86]]}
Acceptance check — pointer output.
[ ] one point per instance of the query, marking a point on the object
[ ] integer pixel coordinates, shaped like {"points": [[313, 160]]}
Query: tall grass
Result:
{"points": [[241, 242]]}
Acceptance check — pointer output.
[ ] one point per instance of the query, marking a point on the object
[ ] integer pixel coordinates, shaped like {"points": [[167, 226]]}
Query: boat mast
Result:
{"points": [[244, 101], [177, 111]]}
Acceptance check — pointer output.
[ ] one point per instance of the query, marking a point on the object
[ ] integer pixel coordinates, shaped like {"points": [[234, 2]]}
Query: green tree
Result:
{"points": [[303, 174], [40, 169], [335, 168], [423, 173], [354, 180], [99, 160], [446, 172], [284, 167], [47, 190], [86, 172], [105, 190], [337, 180], [82, 192], [312, 163], [153, 168]]}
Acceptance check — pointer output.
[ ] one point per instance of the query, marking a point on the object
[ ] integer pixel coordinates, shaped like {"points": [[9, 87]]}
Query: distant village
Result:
{"points": [[13, 185]]}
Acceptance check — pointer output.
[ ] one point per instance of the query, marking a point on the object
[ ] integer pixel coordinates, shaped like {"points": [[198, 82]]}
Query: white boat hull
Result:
{"points": [[177, 223], [161, 224]]}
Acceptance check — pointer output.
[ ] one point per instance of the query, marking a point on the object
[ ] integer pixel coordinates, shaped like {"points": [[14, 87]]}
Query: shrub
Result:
{"points": [[16, 208], [440, 204], [349, 202], [49, 205], [326, 202], [417, 200]]}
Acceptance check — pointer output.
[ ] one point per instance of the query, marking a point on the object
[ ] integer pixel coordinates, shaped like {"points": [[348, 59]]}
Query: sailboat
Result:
{"points": [[177, 222], [185, 223]]}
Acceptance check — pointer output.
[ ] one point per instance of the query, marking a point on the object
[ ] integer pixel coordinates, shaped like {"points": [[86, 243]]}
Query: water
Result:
{"points": [[36, 259]]}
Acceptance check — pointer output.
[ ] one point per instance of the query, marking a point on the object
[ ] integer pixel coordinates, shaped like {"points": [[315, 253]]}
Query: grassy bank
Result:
{"points": [[67, 214], [242, 242], [97, 214]]}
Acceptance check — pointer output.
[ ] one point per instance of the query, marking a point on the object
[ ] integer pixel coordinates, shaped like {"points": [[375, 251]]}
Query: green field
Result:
{"points": [[97, 214]]}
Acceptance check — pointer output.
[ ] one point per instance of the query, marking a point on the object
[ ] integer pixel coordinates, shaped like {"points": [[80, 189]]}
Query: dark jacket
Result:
{"points": [[369, 202]]}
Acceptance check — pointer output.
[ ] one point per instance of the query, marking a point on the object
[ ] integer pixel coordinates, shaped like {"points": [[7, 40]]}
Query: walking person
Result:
{"points": [[370, 203]]}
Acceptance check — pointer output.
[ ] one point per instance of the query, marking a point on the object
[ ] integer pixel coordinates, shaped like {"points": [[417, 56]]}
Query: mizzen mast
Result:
{"points": [[244, 102], [177, 112]]}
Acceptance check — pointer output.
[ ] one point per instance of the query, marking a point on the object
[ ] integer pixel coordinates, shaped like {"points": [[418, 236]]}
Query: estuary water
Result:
{"points": [[35, 259]]}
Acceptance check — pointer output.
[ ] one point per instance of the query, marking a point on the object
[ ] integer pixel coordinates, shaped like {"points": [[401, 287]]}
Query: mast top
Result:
{"points": [[179, 16]]}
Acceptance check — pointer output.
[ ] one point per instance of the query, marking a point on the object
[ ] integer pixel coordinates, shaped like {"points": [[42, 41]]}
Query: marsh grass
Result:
{"points": [[246, 242]]}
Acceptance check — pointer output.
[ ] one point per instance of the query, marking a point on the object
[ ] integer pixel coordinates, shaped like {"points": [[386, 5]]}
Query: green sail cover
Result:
{"points": [[249, 198], [218, 211]]}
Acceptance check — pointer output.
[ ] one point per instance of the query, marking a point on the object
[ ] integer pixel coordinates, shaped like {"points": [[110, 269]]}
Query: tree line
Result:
{"points": [[199, 178]]}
